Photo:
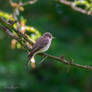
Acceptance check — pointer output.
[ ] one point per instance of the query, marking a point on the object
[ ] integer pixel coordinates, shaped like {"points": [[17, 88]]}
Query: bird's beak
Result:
{"points": [[53, 37]]}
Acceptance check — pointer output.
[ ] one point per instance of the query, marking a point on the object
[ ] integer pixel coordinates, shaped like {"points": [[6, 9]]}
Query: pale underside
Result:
{"points": [[43, 49]]}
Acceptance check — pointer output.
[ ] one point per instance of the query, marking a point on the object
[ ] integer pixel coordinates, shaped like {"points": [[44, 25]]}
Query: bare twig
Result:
{"points": [[42, 54], [22, 3], [67, 62], [71, 4], [43, 59], [28, 2]]}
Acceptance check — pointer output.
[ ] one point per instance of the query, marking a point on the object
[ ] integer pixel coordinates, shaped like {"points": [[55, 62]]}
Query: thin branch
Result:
{"points": [[28, 2], [6, 30], [67, 62], [22, 3], [17, 31], [9, 33], [71, 4], [60, 59], [43, 59]]}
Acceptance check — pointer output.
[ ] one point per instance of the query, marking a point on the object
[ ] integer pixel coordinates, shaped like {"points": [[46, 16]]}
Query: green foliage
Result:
{"points": [[33, 33], [86, 3]]}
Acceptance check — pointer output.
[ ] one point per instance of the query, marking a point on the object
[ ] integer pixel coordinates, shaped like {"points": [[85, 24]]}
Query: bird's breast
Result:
{"points": [[46, 47]]}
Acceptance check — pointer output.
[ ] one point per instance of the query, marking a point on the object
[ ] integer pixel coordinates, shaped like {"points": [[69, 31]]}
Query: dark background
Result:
{"points": [[73, 32]]}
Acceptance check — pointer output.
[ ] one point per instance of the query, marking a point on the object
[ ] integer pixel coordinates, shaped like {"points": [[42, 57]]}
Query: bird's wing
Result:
{"points": [[41, 43]]}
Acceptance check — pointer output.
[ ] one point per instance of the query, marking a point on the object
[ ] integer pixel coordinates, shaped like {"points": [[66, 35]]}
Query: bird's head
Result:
{"points": [[48, 34]]}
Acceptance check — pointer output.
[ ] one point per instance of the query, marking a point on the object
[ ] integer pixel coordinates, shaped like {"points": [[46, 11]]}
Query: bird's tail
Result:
{"points": [[29, 58]]}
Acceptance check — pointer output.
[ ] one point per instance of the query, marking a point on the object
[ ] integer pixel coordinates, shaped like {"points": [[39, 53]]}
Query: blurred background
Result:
{"points": [[73, 32]]}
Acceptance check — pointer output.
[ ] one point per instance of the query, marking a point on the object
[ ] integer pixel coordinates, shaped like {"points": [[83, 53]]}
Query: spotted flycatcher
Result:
{"points": [[41, 45]]}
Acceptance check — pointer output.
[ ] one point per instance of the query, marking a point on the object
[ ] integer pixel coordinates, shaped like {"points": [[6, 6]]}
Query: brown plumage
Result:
{"points": [[41, 45]]}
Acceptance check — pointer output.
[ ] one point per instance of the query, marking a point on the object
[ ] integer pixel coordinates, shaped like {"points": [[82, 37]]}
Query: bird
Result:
{"points": [[41, 45]]}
